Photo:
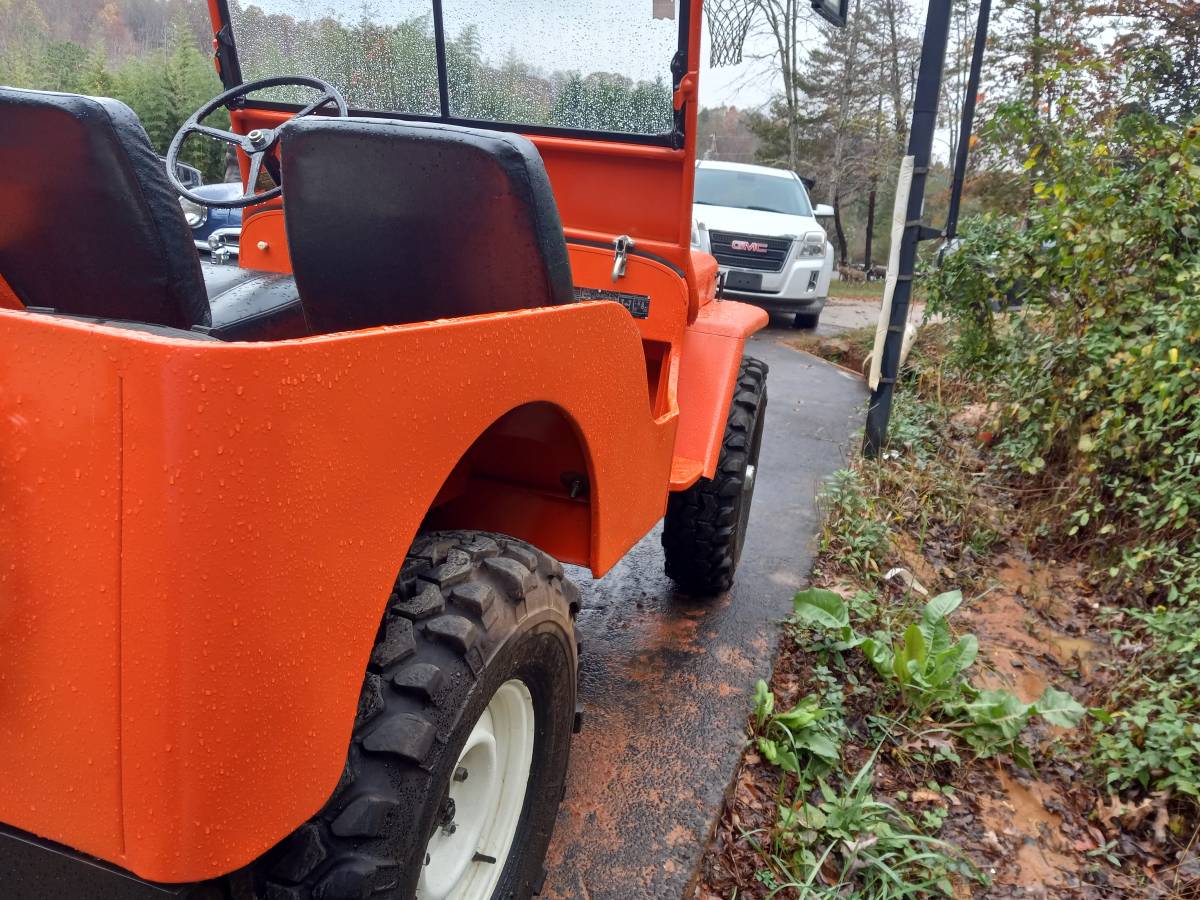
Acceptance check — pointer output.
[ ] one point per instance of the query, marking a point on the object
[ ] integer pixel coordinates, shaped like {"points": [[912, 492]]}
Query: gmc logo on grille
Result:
{"points": [[749, 246]]}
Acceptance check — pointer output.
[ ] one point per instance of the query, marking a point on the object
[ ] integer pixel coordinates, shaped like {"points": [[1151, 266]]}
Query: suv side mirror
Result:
{"points": [[823, 211]]}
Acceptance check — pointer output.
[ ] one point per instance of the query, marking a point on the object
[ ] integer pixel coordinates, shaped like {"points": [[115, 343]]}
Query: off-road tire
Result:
{"points": [[808, 320], [705, 525], [470, 611]]}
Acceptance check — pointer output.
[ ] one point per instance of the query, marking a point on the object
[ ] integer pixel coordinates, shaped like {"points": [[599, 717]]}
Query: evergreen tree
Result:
{"points": [[1163, 37]]}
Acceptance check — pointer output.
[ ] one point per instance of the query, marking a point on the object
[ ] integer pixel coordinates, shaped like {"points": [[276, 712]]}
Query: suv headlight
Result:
{"points": [[813, 244], [195, 214]]}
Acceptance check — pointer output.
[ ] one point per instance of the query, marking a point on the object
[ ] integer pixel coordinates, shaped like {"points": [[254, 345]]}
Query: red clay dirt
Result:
{"points": [[1036, 834]]}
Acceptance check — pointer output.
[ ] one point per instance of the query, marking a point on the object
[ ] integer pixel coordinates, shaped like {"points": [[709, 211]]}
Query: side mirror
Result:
{"points": [[823, 211]]}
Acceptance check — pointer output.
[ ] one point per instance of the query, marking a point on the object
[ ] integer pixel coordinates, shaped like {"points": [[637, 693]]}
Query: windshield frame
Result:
{"points": [[230, 71]]}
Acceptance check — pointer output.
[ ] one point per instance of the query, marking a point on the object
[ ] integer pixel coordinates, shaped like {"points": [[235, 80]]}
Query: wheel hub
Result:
{"points": [[478, 822]]}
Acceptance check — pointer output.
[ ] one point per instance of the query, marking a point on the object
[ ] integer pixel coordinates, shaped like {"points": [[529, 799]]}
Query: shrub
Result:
{"points": [[1098, 383], [1098, 378]]}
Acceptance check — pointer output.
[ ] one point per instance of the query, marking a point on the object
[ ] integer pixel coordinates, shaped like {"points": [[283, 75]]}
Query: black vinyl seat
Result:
{"points": [[91, 228], [391, 222], [248, 305]]}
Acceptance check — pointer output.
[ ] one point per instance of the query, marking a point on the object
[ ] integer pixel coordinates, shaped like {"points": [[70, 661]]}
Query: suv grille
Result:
{"points": [[744, 258]]}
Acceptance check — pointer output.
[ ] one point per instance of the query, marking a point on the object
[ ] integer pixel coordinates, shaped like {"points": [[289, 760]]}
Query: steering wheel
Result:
{"points": [[256, 145]]}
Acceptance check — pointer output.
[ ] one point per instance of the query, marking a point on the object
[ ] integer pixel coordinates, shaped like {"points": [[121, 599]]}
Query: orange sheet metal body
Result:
{"points": [[198, 540]]}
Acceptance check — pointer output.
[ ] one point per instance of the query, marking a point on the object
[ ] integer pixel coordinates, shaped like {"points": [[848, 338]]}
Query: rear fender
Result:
{"points": [[199, 539]]}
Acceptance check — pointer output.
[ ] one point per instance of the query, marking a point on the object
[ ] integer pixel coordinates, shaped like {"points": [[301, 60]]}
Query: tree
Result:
{"points": [[724, 133], [786, 20], [842, 116], [1040, 48], [893, 40], [1164, 37]]}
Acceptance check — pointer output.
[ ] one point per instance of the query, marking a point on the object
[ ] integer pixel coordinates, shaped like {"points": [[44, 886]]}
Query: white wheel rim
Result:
{"points": [[496, 759]]}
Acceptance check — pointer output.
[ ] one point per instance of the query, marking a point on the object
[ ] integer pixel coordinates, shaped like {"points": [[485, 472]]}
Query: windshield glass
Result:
{"points": [[750, 190], [598, 66]]}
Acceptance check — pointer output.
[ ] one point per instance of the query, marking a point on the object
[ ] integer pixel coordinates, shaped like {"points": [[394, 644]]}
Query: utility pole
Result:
{"points": [[920, 148], [968, 118]]}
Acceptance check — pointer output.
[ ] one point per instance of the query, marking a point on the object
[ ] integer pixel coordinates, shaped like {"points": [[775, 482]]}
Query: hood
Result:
{"points": [[753, 221]]}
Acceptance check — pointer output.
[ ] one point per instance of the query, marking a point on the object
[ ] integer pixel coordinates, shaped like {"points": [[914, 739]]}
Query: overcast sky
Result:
{"points": [[586, 35], [748, 85]]}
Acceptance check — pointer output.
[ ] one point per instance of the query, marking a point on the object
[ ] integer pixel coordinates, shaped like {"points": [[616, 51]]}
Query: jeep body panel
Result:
{"points": [[193, 530]]}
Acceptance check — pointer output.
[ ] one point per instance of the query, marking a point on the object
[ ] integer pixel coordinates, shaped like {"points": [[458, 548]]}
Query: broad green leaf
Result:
{"points": [[777, 754], [1001, 710], [879, 654], [915, 650], [849, 639], [764, 702], [801, 715], [900, 670], [769, 750], [1060, 708], [937, 636], [788, 761], [818, 745], [820, 607], [953, 660], [810, 816], [1021, 756], [828, 793], [941, 606], [968, 646]]}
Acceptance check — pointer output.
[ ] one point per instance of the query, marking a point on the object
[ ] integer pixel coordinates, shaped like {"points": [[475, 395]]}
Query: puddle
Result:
{"points": [[914, 560], [1008, 669]]}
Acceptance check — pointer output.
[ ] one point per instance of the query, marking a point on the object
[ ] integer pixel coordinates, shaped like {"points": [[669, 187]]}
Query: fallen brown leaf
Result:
{"points": [[925, 796]]}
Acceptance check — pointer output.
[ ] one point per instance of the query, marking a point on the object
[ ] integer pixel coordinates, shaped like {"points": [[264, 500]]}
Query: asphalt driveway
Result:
{"points": [[666, 682]]}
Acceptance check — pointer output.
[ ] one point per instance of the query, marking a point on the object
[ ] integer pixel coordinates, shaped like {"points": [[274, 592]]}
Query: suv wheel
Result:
{"points": [[807, 320]]}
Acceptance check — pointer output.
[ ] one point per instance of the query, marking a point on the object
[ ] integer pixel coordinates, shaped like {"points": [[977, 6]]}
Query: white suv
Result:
{"points": [[759, 224]]}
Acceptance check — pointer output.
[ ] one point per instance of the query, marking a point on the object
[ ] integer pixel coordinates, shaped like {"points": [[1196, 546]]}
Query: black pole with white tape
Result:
{"points": [[920, 148]]}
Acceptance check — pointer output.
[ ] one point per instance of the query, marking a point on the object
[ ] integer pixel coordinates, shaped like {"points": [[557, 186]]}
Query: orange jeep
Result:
{"points": [[283, 611]]}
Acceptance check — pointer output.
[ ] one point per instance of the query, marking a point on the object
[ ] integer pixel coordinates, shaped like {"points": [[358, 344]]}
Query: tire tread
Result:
{"points": [[699, 535], [449, 597]]}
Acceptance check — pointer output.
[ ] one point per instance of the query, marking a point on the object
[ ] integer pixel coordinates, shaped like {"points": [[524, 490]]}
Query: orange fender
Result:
{"points": [[198, 541], [712, 353]]}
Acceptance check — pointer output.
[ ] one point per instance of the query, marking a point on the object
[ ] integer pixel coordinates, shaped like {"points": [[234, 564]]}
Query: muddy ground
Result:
{"points": [[1046, 833]]}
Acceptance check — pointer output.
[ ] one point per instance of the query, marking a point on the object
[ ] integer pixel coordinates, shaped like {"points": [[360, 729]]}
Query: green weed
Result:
{"points": [[850, 528], [829, 839], [927, 668]]}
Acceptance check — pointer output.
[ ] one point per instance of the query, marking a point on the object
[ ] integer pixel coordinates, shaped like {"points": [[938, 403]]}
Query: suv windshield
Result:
{"points": [[600, 66], [750, 190]]}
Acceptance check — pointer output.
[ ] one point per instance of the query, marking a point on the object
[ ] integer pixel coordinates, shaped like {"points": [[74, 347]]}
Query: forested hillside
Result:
{"points": [[156, 56], [152, 54]]}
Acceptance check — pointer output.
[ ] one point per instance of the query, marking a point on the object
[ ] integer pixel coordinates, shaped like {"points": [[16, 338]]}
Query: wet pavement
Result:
{"points": [[666, 682], [845, 313]]}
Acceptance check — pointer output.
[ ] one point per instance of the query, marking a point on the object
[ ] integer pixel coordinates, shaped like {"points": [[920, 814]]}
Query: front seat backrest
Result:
{"points": [[89, 224], [390, 222]]}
